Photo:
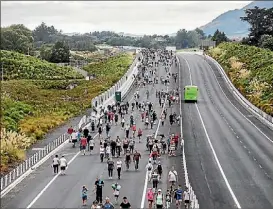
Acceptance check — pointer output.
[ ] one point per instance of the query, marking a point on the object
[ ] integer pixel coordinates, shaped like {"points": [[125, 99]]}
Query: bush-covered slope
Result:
{"points": [[251, 71], [112, 68], [20, 66], [33, 107]]}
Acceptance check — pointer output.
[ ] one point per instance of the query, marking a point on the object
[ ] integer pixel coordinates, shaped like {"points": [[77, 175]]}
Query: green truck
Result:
{"points": [[190, 93]]}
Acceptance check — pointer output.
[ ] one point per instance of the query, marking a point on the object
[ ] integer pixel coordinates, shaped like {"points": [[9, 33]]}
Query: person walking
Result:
{"points": [[119, 166], [99, 184], [56, 164], [111, 166]]}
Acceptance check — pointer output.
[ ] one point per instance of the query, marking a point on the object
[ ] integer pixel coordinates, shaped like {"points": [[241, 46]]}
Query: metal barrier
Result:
{"points": [[30, 163]]}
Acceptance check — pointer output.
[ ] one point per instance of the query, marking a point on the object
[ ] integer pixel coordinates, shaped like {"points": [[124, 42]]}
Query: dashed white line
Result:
{"points": [[213, 151]]}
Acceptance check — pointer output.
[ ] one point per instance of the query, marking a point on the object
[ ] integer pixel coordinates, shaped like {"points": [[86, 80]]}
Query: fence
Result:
{"points": [[40, 155]]}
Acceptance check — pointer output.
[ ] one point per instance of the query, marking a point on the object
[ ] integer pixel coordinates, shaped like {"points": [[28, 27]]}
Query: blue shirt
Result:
{"points": [[108, 206], [179, 193]]}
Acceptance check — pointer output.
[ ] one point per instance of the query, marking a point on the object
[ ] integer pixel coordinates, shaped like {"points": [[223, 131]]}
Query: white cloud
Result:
{"points": [[132, 17]]}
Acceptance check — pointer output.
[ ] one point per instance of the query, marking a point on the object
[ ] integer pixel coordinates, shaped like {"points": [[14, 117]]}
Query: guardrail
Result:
{"points": [[262, 116], [193, 198], [24, 168]]}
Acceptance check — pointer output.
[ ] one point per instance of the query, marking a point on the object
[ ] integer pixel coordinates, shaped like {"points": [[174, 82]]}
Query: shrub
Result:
{"points": [[250, 69], [20, 66]]}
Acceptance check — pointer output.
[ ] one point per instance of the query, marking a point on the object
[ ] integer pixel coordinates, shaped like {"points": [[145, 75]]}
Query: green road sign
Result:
{"points": [[118, 96]]}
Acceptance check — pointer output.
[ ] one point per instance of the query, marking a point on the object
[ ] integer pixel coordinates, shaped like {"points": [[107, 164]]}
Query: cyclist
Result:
{"points": [[149, 168], [159, 199], [84, 195], [186, 198], [155, 179], [127, 159], [178, 196], [136, 158], [150, 197]]}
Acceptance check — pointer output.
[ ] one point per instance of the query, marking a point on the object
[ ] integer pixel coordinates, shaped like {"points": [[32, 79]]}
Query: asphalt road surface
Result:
{"points": [[43, 190], [229, 153]]}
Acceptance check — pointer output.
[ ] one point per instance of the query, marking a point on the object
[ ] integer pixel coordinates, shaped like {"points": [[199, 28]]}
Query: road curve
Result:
{"points": [[242, 144], [42, 190]]}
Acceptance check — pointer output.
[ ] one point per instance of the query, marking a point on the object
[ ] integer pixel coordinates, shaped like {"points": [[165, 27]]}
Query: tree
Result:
{"points": [[201, 33], [17, 38], [261, 22], [60, 52], [44, 33], [219, 37], [46, 52], [266, 41]]}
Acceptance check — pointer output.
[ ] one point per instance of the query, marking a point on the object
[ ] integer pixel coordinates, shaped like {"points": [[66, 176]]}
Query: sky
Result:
{"points": [[135, 17]]}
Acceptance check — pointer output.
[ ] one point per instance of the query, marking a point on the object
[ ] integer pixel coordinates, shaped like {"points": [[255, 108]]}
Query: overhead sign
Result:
{"points": [[171, 48], [208, 43]]}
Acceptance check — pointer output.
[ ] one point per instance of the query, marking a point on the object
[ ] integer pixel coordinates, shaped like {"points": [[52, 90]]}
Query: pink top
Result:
{"points": [[150, 195]]}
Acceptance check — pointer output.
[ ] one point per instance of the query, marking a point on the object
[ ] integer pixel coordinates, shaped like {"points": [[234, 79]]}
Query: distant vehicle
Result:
{"points": [[190, 93]]}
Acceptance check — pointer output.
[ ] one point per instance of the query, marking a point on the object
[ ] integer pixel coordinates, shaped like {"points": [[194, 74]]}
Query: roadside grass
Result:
{"points": [[251, 71]]}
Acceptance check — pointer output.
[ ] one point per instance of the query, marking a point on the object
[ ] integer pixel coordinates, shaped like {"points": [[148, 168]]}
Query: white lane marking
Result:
{"points": [[54, 178], [237, 108], [214, 153], [146, 177]]}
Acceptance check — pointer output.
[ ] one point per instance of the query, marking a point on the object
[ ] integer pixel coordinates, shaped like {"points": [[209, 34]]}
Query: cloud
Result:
{"points": [[131, 17]]}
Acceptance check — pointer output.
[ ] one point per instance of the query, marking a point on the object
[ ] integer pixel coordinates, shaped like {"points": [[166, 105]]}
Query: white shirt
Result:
{"points": [[186, 195], [56, 161], [92, 142], [123, 120], [119, 164], [127, 128], [102, 150], [172, 175], [63, 162], [108, 150], [74, 135], [149, 165]]}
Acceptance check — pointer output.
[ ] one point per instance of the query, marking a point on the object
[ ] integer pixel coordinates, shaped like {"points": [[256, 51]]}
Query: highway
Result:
{"points": [[43, 190], [229, 153]]}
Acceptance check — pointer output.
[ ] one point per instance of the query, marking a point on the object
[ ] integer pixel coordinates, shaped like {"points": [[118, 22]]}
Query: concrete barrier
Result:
{"points": [[262, 116]]}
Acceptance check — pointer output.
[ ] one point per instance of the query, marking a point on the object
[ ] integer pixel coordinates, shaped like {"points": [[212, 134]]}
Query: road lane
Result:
{"points": [[65, 190], [27, 190], [236, 142]]}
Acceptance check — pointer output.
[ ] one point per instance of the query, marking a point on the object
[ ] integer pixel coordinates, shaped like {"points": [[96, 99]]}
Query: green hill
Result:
{"points": [[20, 66], [251, 71]]}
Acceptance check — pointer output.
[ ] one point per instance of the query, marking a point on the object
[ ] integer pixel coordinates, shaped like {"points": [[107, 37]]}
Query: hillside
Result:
{"points": [[230, 22], [251, 71], [20, 66], [32, 107]]}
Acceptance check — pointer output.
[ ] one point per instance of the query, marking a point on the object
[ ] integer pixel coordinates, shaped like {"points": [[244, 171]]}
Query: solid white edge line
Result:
{"points": [[55, 177], [270, 140], [142, 205], [214, 153]]}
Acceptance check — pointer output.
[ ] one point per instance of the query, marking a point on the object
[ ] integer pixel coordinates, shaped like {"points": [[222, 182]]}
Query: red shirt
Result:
{"points": [[83, 141], [70, 131], [134, 127]]}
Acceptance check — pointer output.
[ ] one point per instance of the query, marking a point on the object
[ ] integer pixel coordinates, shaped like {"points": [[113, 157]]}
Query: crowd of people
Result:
{"points": [[124, 114]]}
